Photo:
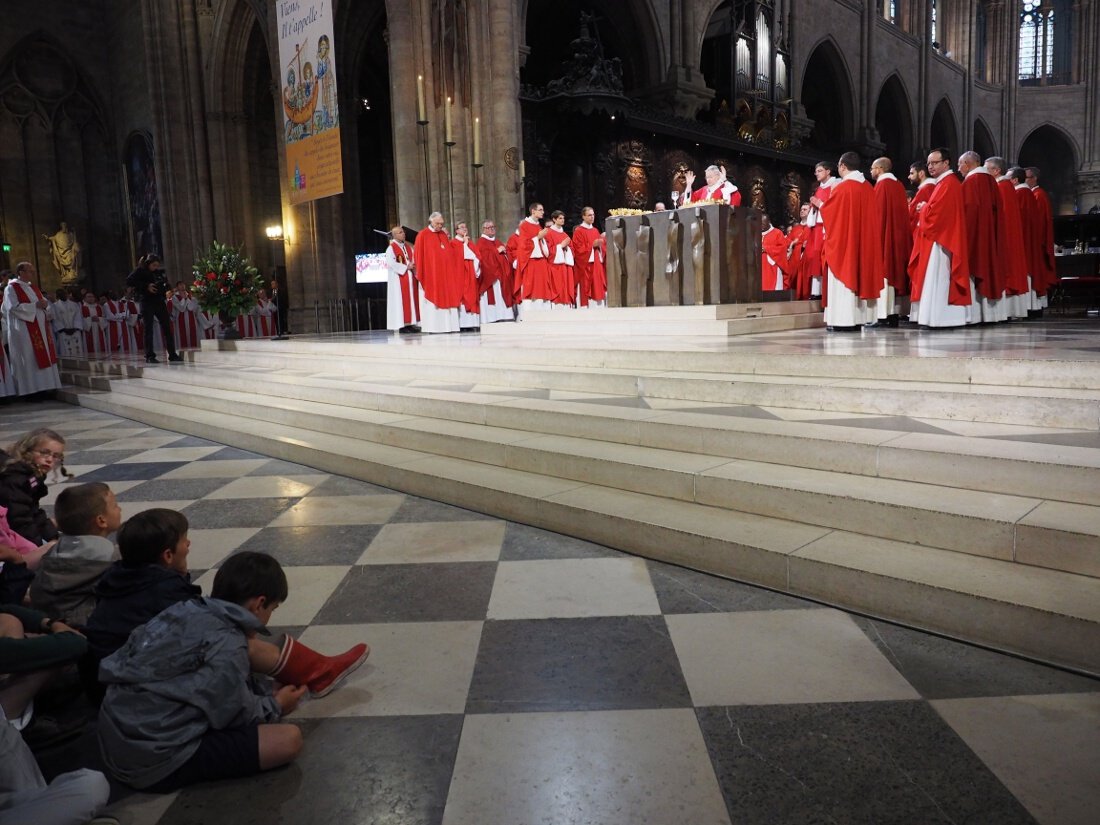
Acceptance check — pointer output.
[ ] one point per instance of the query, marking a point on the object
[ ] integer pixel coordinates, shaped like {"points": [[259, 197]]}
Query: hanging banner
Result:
{"points": [[311, 117]]}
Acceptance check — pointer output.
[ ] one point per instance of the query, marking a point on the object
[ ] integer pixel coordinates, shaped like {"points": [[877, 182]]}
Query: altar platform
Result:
{"points": [[946, 480]]}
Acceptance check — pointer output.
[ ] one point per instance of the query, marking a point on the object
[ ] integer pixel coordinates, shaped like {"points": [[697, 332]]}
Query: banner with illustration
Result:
{"points": [[311, 117]]}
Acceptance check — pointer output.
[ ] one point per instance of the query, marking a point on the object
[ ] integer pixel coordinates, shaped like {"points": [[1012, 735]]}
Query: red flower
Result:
{"points": [[225, 290], [210, 276]]}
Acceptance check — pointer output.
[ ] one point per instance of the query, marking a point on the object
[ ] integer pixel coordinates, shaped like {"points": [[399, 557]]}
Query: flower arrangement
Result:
{"points": [[225, 280]]}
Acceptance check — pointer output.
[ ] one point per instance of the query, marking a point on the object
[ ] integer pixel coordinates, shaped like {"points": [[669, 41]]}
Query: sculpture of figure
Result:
{"points": [[673, 268], [65, 251], [618, 242], [792, 187], [699, 254], [638, 286], [759, 195]]}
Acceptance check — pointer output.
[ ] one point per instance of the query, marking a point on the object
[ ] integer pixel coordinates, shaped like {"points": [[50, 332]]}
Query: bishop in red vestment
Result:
{"points": [[718, 188], [439, 270]]}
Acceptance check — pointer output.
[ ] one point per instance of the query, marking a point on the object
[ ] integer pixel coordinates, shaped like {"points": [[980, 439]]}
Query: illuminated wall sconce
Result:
{"points": [[274, 232]]}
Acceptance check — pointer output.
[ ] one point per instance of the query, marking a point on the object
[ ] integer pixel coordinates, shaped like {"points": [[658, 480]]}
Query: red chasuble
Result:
{"points": [[470, 295], [495, 268], [982, 201], [924, 192], [795, 277], [1015, 252], [563, 279], [773, 258], [591, 274], [942, 221], [511, 249], [438, 268], [534, 273], [1029, 220], [724, 191], [897, 233], [1046, 241], [815, 246], [852, 249]]}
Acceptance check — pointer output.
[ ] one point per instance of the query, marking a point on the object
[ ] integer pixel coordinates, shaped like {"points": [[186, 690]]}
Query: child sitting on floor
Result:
{"points": [[63, 586], [153, 576], [181, 705], [23, 486]]}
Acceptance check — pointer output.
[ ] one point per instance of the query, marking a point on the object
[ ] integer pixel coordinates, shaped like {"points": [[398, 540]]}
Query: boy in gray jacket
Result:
{"points": [[182, 705]]}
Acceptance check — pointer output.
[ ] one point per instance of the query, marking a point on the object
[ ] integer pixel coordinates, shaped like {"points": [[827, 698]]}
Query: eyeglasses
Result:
{"points": [[44, 453], [936, 162]]}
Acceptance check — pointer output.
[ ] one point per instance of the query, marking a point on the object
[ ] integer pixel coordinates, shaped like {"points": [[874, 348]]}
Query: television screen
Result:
{"points": [[370, 268]]}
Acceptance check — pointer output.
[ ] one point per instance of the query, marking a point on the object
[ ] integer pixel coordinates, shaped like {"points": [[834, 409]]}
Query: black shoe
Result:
{"points": [[151, 359], [175, 356]]}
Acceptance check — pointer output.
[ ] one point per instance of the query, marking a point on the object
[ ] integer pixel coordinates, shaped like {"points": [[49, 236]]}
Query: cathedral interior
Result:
{"points": [[151, 127], [555, 667]]}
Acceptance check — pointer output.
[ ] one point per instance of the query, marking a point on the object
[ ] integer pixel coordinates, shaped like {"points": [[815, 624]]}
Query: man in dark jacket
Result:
{"points": [[151, 286]]}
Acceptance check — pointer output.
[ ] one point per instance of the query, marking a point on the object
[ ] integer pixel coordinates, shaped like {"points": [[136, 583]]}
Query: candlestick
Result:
{"points": [[477, 141], [522, 170], [421, 108], [447, 135]]}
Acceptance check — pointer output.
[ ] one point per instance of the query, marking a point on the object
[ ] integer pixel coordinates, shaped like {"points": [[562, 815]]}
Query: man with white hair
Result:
{"points": [[984, 222], [438, 269], [33, 357], [1014, 253], [718, 188], [402, 290]]}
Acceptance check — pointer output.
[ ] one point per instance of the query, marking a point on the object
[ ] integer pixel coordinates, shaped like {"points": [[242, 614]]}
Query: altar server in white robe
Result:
{"points": [[31, 351], [402, 290], [68, 325]]}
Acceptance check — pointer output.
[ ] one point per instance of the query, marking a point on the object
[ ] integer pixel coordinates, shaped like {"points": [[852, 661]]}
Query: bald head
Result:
{"points": [[880, 166], [969, 160]]}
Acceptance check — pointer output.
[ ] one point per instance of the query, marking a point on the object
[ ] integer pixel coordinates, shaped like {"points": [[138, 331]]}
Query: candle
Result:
{"points": [[477, 141], [421, 109], [522, 170], [447, 136]]}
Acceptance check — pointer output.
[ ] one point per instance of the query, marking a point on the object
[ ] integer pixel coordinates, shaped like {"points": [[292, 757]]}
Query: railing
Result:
{"points": [[349, 314]]}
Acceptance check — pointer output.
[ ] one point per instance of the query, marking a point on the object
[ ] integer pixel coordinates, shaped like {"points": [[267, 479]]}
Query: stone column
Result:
{"points": [[1088, 30], [683, 89]]}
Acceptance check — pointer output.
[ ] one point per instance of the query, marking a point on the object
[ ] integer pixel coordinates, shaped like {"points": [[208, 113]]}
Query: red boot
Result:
{"points": [[300, 665]]}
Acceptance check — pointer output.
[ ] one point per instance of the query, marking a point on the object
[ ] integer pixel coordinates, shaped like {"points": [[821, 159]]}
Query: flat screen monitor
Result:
{"points": [[370, 268]]}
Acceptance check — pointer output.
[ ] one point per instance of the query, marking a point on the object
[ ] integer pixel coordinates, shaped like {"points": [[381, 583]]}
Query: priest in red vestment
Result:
{"points": [[439, 270], [815, 246], [495, 285], [853, 249], [982, 203], [892, 206], [469, 310], [718, 188], [918, 176], [795, 277], [1033, 239], [533, 258], [773, 255], [1047, 276], [1014, 254], [589, 256], [562, 277], [939, 268]]}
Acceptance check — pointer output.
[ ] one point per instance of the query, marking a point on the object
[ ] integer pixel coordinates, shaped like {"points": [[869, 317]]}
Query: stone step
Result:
{"points": [[1000, 404], [705, 312], [606, 352], [968, 521], [536, 324], [1046, 614], [1070, 474]]}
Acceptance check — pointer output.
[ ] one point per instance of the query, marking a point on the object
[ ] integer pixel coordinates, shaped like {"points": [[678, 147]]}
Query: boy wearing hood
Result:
{"points": [[182, 705]]}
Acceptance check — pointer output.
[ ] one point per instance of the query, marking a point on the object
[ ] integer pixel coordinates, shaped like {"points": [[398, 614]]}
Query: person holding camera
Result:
{"points": [[151, 284]]}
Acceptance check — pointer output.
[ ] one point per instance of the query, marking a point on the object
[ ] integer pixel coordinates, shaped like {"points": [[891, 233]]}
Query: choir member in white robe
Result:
{"points": [[95, 326], [68, 325], [31, 352]]}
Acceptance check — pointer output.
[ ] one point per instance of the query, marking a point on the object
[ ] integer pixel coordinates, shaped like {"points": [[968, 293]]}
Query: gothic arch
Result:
{"points": [[1055, 153], [984, 144], [894, 121], [57, 161], [827, 95], [944, 130]]}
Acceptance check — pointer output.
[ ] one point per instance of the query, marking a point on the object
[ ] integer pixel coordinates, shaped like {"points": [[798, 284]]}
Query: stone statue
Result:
{"points": [[638, 286], [65, 251]]}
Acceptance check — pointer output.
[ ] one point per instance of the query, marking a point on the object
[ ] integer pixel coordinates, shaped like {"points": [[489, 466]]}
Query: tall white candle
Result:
{"points": [[421, 108], [477, 141], [447, 135], [522, 169]]}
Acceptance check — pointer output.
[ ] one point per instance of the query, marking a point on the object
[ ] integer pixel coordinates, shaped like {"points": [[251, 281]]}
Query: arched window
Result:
{"points": [[933, 32], [1044, 42], [889, 10]]}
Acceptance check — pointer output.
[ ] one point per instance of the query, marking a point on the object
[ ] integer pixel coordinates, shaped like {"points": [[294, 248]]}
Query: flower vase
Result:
{"points": [[229, 331]]}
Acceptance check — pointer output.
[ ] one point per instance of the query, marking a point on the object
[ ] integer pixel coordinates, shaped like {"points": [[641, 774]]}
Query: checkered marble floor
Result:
{"points": [[521, 677]]}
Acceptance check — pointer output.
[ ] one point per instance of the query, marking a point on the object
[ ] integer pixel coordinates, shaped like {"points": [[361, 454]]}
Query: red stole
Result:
{"points": [[44, 353], [410, 298]]}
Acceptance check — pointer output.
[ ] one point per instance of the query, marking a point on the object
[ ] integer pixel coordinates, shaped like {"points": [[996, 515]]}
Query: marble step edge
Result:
{"points": [[645, 329], [1063, 537], [968, 404], [623, 381], [699, 312], [588, 353], [1011, 468], [1047, 615]]}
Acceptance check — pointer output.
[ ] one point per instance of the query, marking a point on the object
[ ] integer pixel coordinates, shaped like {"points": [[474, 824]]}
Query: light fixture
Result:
{"points": [[274, 232]]}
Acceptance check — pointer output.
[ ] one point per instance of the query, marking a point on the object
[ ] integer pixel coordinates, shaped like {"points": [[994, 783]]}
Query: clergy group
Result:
{"points": [[973, 245]]}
